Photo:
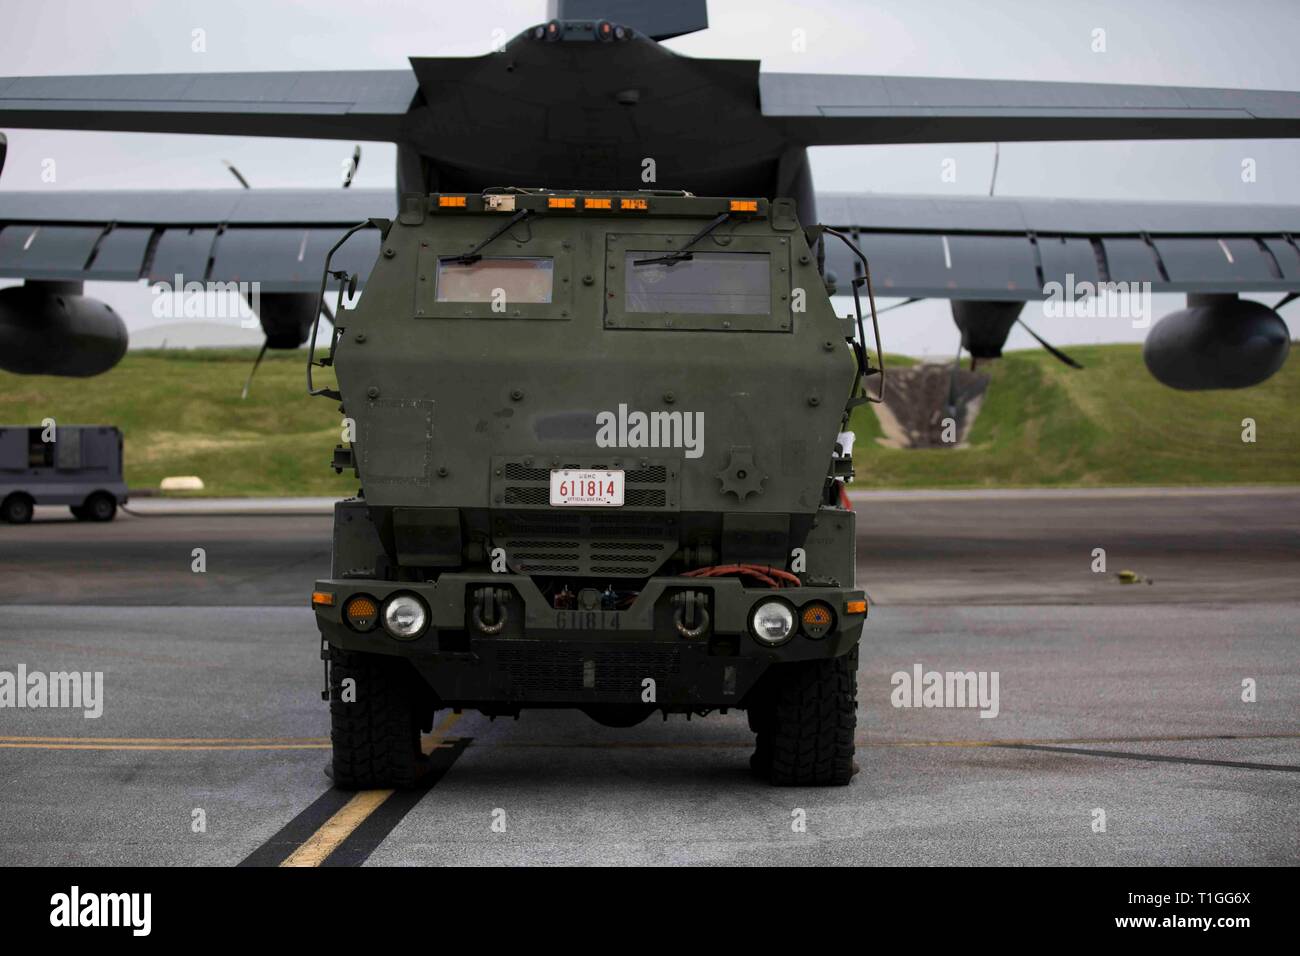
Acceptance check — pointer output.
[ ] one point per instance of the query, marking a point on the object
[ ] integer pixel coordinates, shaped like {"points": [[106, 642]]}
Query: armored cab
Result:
{"points": [[596, 437]]}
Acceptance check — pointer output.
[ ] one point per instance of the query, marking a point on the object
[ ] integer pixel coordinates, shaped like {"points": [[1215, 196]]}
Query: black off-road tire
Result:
{"points": [[805, 719], [376, 737], [16, 509]]}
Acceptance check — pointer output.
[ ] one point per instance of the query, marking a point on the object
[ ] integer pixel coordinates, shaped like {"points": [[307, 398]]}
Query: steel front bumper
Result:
{"points": [[543, 656]]}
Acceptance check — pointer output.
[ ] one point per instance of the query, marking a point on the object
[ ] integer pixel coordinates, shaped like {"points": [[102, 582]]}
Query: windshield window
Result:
{"points": [[713, 283], [520, 280]]}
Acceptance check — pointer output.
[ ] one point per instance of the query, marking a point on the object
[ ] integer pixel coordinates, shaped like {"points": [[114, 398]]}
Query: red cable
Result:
{"points": [[772, 577]]}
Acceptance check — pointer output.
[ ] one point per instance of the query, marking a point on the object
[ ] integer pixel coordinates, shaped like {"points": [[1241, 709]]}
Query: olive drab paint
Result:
{"points": [[642, 348]]}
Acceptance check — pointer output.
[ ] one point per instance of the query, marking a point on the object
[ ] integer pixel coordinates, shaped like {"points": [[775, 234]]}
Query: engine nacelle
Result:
{"points": [[50, 328], [985, 325], [286, 317], [1218, 341]]}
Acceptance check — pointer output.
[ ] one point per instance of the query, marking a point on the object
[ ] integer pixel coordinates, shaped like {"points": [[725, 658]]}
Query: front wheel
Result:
{"points": [[378, 704], [16, 509], [805, 718]]}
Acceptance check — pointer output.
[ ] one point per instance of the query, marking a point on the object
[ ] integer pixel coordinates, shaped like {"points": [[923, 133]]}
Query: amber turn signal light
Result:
{"points": [[816, 619], [361, 612]]}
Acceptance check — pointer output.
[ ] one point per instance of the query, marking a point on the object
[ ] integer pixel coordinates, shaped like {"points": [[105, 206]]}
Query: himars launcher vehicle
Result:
{"points": [[599, 437]]}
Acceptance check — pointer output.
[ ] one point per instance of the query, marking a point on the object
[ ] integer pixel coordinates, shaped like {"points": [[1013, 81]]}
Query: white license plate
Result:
{"points": [[592, 489]]}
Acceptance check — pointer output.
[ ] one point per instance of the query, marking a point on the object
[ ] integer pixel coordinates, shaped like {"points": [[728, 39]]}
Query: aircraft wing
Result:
{"points": [[811, 109], [830, 110], [278, 237], [353, 105], [980, 247], [972, 247]]}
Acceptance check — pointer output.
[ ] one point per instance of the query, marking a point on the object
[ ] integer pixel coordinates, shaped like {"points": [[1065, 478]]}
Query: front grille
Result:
{"points": [[514, 471], [541, 673], [517, 495], [525, 483], [631, 541], [585, 543]]}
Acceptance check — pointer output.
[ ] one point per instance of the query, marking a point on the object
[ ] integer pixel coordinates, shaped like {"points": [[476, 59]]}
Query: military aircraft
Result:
{"points": [[584, 100]]}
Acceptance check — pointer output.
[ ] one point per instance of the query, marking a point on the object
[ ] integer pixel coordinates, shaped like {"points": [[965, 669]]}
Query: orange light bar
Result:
{"points": [[744, 205], [634, 204], [456, 201], [562, 202], [322, 599], [855, 607], [594, 203]]}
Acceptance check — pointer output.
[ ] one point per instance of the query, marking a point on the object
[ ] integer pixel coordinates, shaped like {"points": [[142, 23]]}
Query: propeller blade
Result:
{"points": [[951, 407], [258, 361], [897, 305], [1055, 352], [352, 166], [236, 173]]}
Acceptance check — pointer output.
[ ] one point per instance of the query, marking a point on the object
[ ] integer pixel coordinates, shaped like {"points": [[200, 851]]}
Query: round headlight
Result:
{"points": [[772, 622], [405, 617]]}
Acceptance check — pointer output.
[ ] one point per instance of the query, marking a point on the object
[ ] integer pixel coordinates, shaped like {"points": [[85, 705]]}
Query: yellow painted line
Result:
{"points": [[164, 740], [337, 828], [1062, 741], [119, 747], [438, 738], [868, 742]]}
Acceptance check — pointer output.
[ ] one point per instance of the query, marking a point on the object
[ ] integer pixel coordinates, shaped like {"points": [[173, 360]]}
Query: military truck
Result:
{"points": [[599, 441], [75, 465]]}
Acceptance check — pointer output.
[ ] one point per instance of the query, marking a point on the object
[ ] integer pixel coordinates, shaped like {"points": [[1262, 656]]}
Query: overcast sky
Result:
{"points": [[1242, 43]]}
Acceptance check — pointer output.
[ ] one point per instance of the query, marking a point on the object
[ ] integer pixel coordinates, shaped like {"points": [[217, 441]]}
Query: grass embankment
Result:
{"points": [[1041, 424], [182, 415], [1111, 424]]}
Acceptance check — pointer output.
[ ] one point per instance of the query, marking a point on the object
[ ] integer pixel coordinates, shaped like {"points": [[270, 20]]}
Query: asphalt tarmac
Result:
{"points": [[1119, 704]]}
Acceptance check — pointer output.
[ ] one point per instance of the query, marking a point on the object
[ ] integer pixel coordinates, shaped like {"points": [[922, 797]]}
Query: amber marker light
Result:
{"points": [[322, 599], [744, 205], [816, 615], [454, 202], [642, 204], [855, 607], [361, 612], [562, 202], [592, 202], [816, 619]]}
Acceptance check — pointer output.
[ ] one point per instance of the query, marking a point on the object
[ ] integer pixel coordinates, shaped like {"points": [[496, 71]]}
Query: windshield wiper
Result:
{"points": [[681, 255], [471, 257]]}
